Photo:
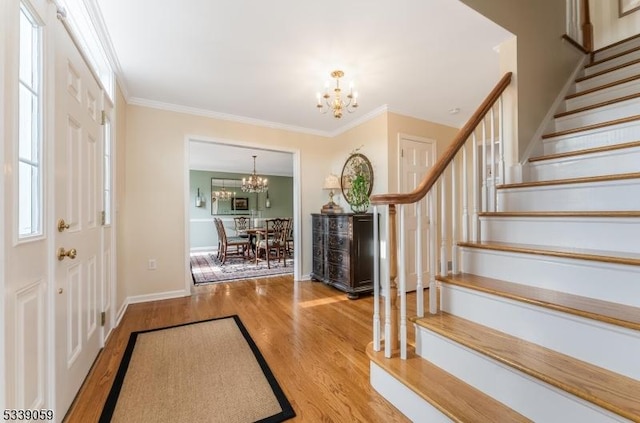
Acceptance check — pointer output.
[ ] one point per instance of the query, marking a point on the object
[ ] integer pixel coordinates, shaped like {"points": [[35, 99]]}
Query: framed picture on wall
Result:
{"points": [[627, 6], [240, 203]]}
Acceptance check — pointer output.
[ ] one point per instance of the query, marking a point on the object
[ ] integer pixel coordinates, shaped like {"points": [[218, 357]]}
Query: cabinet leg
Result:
{"points": [[353, 295]]}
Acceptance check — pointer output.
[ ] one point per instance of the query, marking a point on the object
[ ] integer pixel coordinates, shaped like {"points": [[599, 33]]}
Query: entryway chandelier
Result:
{"points": [[223, 194], [337, 104], [254, 183]]}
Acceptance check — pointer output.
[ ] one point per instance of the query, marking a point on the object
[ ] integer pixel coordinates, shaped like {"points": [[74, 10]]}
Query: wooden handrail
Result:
{"points": [[436, 171]]}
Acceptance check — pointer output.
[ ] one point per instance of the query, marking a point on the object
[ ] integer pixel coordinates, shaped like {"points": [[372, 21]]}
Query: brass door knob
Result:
{"points": [[62, 225], [60, 290], [69, 253]]}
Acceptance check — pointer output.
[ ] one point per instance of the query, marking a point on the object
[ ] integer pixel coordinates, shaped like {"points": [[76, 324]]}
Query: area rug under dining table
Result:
{"points": [[206, 268], [207, 371]]}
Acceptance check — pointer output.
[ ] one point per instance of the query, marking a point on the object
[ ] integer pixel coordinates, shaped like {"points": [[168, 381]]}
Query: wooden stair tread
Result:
{"points": [[612, 69], [613, 56], [583, 180], [591, 308], [614, 257], [453, 397], [586, 151], [616, 393], [590, 127], [597, 105]]}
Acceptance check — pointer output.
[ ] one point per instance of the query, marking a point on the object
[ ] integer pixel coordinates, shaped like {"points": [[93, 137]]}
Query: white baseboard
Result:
{"points": [[158, 296], [208, 248], [121, 312]]}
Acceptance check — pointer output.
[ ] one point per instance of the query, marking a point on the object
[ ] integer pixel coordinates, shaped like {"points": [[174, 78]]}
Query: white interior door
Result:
{"points": [[417, 155], [107, 286], [77, 200]]}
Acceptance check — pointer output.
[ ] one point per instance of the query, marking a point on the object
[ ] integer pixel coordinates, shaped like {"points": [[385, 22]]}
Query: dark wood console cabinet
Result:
{"points": [[343, 251]]}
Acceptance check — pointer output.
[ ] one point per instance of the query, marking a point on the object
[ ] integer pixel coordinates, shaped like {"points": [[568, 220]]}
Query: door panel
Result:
{"points": [[77, 199], [417, 156]]}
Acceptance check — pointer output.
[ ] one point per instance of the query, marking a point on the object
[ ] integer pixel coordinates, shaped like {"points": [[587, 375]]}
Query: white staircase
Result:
{"points": [[543, 321]]}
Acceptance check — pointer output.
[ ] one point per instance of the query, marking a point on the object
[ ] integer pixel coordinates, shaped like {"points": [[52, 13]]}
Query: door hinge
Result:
{"points": [[103, 318], [402, 152], [103, 118], [103, 218]]}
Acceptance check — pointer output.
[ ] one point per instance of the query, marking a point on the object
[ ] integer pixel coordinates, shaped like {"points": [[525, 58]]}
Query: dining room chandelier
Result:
{"points": [[223, 194], [336, 103], [254, 183]]}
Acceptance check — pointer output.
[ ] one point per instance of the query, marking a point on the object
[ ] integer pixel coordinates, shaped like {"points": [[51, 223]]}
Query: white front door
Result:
{"points": [[77, 200], [417, 155]]}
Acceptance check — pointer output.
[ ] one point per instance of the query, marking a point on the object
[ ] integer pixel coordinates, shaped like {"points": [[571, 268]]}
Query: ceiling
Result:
{"points": [[263, 62]]}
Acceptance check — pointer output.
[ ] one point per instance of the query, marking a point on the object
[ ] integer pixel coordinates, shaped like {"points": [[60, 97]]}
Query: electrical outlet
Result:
{"points": [[153, 265]]}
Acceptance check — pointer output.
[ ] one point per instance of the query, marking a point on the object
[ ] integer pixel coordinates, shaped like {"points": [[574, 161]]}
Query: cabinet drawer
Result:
{"points": [[338, 274], [339, 224], [338, 257], [338, 243], [317, 224]]}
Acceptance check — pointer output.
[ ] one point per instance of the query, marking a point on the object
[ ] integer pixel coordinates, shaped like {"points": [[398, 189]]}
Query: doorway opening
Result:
{"points": [[226, 224]]}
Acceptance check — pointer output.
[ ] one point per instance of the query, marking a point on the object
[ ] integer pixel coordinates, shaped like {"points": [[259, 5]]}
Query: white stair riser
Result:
{"points": [[617, 91], [403, 398], [610, 135], [612, 63], [512, 388], [605, 163], [571, 335], [611, 51], [611, 234], [607, 78], [595, 196], [601, 114], [607, 281]]}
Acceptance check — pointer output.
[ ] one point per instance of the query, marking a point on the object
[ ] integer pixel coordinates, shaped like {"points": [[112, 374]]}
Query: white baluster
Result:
{"points": [[484, 166], [387, 297], [402, 285], [465, 196], [493, 161], [433, 227], [443, 226], [501, 170], [376, 281], [454, 218], [475, 227], [419, 267]]}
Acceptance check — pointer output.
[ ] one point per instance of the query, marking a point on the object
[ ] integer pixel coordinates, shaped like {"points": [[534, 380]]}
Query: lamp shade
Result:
{"points": [[331, 182]]}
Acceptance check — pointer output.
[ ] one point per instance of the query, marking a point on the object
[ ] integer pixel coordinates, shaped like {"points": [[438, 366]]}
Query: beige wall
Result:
{"points": [[120, 203], [608, 27], [154, 213], [544, 61]]}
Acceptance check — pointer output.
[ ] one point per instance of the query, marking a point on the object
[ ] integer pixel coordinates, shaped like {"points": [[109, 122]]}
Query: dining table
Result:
{"points": [[255, 235]]}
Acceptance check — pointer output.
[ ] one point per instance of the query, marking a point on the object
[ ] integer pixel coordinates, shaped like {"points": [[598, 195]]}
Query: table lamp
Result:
{"points": [[331, 183]]}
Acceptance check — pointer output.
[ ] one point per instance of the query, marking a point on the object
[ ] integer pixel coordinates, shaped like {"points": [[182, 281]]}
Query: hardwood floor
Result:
{"points": [[311, 335]]}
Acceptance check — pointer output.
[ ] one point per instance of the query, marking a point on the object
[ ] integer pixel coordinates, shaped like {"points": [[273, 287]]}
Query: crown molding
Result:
{"points": [[170, 107], [403, 113], [364, 118]]}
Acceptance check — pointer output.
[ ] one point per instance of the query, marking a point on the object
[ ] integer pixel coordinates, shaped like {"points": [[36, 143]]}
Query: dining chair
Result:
{"points": [[241, 224], [289, 238], [225, 243], [274, 240]]}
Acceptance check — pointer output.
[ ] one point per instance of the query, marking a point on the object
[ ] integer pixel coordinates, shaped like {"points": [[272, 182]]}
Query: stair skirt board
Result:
{"points": [[611, 63], [403, 398], [605, 113], [605, 281], [596, 233], [613, 76], [568, 334], [600, 137], [621, 195], [529, 396], [625, 160], [598, 96]]}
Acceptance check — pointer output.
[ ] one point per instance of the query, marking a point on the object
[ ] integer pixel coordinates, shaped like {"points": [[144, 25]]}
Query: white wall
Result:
{"points": [[608, 27]]}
